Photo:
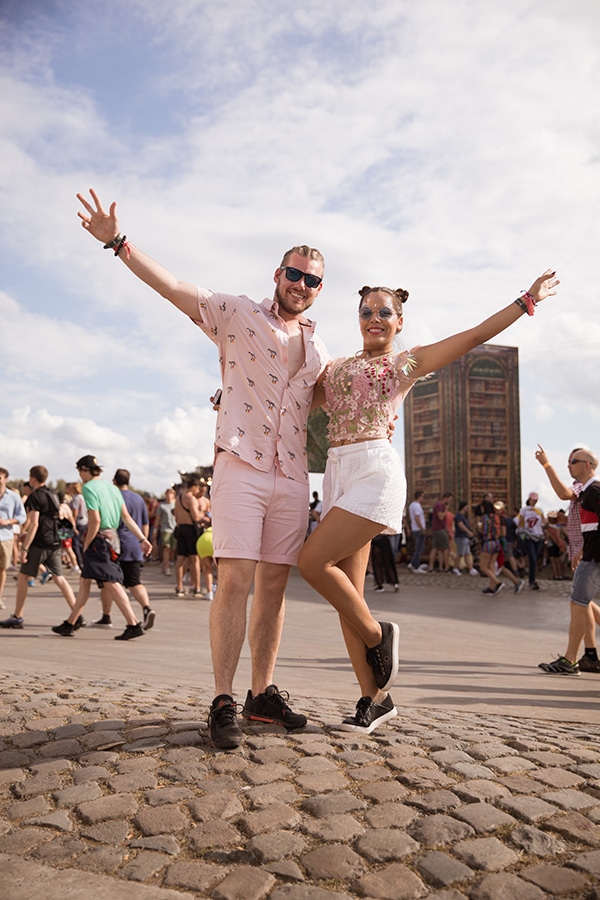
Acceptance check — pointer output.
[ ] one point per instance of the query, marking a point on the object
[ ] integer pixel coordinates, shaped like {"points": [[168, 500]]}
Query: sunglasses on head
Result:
{"points": [[292, 274], [384, 312]]}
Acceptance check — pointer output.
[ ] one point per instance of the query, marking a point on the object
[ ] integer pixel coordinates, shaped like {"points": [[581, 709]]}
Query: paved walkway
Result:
{"points": [[486, 785]]}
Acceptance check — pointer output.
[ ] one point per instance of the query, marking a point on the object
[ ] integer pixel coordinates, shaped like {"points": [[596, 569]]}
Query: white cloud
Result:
{"points": [[448, 148]]}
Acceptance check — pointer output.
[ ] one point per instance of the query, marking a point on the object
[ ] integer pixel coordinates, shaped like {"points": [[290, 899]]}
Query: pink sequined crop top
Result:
{"points": [[362, 395]]}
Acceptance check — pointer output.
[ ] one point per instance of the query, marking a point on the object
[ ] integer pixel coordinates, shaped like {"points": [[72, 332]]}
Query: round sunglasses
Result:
{"points": [[384, 312]]}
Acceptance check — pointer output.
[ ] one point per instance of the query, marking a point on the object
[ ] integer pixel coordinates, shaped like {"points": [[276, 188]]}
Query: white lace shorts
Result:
{"points": [[366, 479]]}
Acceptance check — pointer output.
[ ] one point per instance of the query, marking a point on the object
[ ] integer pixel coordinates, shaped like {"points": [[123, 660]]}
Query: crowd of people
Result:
{"points": [[100, 531], [488, 541], [274, 370]]}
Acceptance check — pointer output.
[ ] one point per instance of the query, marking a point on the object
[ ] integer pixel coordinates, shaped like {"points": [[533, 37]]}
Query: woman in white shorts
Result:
{"points": [[364, 489]]}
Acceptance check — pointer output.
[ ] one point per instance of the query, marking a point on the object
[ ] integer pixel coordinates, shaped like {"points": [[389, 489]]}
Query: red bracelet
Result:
{"points": [[123, 243], [529, 301]]}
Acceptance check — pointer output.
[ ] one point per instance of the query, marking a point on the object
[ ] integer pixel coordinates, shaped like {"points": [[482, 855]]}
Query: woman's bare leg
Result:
{"points": [[340, 536]]}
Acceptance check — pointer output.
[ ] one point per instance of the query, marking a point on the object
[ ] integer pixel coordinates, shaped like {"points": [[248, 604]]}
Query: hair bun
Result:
{"points": [[402, 295], [365, 290]]}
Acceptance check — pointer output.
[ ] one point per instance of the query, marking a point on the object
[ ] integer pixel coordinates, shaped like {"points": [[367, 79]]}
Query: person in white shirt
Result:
{"points": [[417, 527], [531, 530]]}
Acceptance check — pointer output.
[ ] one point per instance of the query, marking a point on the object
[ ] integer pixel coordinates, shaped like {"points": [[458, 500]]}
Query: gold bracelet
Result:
{"points": [[545, 465]]}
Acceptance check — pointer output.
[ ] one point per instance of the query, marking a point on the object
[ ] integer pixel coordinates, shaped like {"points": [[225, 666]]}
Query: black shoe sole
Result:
{"points": [[267, 720], [129, 637], [224, 743]]}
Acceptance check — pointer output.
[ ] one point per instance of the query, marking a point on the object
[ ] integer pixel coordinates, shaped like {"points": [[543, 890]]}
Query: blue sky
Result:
{"points": [[450, 148]]}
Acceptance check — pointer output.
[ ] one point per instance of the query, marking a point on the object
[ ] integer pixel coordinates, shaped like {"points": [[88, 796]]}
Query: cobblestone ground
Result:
{"points": [[113, 779]]}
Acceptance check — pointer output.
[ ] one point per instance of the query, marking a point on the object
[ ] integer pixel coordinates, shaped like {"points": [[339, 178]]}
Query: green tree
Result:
{"points": [[317, 444]]}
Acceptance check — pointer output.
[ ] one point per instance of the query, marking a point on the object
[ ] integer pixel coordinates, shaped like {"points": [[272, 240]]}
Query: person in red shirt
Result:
{"points": [[440, 540]]}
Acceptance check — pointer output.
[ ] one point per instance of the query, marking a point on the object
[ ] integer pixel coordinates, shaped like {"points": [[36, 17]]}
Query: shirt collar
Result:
{"points": [[273, 307]]}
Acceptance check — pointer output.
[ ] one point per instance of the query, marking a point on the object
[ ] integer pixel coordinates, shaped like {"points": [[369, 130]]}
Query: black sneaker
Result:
{"points": [[534, 586], [271, 706], [104, 622], [12, 622], [149, 617], [499, 587], [369, 715], [179, 593], [383, 658], [488, 590], [560, 666], [132, 631], [225, 733], [589, 665], [79, 623], [65, 629]]}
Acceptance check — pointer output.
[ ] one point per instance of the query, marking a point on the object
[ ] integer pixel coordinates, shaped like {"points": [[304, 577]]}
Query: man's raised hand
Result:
{"points": [[104, 226]]}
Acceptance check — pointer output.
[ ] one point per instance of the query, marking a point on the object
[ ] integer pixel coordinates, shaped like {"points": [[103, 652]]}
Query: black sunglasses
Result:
{"points": [[573, 461], [292, 274], [384, 312]]}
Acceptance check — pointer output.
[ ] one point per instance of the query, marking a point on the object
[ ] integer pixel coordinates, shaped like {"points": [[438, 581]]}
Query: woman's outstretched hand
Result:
{"points": [[542, 286], [104, 226]]}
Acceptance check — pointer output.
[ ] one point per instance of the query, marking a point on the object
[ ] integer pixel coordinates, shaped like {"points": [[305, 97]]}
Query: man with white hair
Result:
{"points": [[586, 581]]}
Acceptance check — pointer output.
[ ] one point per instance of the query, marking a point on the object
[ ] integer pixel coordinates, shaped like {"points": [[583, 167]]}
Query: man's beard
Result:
{"points": [[292, 310]]}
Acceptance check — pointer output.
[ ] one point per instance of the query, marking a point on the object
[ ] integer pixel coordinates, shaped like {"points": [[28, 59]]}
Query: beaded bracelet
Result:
{"points": [[112, 244], [527, 303], [123, 243], [117, 245]]}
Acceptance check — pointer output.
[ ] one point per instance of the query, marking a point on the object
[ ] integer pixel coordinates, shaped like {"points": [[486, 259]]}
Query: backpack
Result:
{"points": [[47, 533]]}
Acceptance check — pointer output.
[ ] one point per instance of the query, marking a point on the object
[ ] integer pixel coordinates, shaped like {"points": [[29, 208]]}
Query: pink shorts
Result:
{"points": [[257, 515]]}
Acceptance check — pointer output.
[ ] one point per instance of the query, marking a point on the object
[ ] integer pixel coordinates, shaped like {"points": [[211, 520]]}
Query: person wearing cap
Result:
{"points": [[131, 558], [101, 547], [531, 531], [586, 580]]}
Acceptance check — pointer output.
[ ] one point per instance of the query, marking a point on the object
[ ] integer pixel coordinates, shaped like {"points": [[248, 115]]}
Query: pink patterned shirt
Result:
{"points": [[362, 395], [263, 412]]}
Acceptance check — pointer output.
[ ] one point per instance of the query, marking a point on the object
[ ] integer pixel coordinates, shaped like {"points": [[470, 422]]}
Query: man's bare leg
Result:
{"points": [[22, 585], [67, 591], [266, 621], [227, 620], [179, 571], [582, 623], [119, 595], [83, 595]]}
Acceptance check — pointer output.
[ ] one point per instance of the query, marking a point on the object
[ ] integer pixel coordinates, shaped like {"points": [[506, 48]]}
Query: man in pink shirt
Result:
{"points": [[270, 360]]}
